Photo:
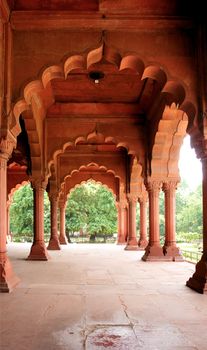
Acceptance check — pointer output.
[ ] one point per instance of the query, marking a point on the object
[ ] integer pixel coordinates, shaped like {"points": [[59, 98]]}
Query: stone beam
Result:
{"points": [[101, 110], [90, 21]]}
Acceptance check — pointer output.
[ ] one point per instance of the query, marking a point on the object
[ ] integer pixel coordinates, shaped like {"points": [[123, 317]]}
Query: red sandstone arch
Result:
{"points": [[38, 95], [33, 113], [94, 181], [87, 138], [87, 173], [15, 175], [94, 136], [100, 167], [168, 139], [16, 188], [42, 87]]}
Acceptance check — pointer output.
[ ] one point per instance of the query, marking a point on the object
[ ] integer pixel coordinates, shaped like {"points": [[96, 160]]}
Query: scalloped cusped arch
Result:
{"points": [[16, 188], [93, 181], [38, 95], [87, 167], [95, 136]]}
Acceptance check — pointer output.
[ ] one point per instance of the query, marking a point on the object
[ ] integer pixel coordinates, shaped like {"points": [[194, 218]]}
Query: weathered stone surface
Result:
{"points": [[83, 299], [109, 90]]}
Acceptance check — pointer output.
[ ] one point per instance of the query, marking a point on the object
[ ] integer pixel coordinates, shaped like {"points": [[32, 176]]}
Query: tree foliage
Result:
{"points": [[91, 208], [189, 213], [21, 212]]}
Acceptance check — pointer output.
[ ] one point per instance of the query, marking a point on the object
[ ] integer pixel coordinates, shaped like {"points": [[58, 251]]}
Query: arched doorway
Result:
{"points": [[91, 214], [126, 96]]}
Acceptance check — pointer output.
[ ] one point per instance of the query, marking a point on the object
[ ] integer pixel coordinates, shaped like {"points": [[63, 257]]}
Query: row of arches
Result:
{"points": [[126, 128]]}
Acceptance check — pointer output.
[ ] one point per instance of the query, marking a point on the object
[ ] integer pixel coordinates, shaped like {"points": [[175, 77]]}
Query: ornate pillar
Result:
{"points": [[132, 243], [120, 211], [54, 243], [170, 249], [154, 250], [38, 249], [198, 281], [8, 204], [143, 241], [126, 222], [62, 237], [8, 280], [118, 222]]}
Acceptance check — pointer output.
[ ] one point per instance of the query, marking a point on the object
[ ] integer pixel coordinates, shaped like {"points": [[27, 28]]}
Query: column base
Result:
{"points": [[173, 253], [142, 244], [63, 240], [198, 281], [8, 279], [38, 252], [54, 244], [154, 253], [132, 244], [120, 240]]}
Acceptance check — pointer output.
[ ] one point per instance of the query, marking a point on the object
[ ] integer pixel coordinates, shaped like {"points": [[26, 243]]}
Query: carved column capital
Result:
{"points": [[143, 198], [153, 185], [53, 196], [62, 204], [38, 183], [170, 185], [7, 145], [123, 204], [132, 198]]}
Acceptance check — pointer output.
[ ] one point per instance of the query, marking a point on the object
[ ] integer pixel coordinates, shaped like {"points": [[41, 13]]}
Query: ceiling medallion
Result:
{"points": [[96, 76]]}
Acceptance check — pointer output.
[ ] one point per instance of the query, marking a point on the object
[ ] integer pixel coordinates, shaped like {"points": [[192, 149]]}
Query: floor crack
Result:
{"points": [[131, 324], [125, 311]]}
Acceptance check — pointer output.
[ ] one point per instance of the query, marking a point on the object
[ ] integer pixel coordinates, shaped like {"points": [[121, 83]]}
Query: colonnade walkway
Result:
{"points": [[99, 296]]}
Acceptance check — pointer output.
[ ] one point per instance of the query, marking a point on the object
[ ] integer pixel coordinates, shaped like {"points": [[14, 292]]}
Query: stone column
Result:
{"points": [[198, 281], [132, 243], [143, 241], [154, 250], [8, 219], [118, 221], [54, 243], [170, 249], [62, 237], [38, 249], [120, 214], [124, 221], [8, 280], [126, 224]]}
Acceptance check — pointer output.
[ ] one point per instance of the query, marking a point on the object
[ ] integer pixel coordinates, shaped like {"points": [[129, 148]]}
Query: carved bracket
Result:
{"points": [[7, 144]]}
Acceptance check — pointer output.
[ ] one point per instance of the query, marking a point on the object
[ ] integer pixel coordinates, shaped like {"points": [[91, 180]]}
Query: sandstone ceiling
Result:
{"points": [[102, 78], [160, 7]]}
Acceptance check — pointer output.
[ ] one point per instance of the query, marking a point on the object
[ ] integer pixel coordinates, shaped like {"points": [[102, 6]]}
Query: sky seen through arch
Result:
{"points": [[189, 165]]}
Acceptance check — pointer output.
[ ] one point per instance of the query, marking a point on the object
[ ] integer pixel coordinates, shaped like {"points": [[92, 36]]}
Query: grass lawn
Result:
{"points": [[193, 247]]}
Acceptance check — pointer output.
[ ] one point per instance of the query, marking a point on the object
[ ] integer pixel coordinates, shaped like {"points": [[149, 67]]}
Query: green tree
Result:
{"points": [[21, 214], [189, 214], [91, 208], [46, 216]]}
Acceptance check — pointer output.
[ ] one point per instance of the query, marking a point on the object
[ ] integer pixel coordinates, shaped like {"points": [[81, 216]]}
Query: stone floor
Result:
{"points": [[101, 297]]}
